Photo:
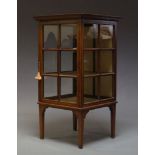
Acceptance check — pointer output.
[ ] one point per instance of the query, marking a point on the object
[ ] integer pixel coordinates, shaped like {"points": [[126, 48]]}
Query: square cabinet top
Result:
{"points": [[76, 16]]}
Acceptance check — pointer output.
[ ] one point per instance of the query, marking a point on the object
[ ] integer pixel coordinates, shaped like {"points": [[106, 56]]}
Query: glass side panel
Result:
{"points": [[90, 89], [50, 88], [90, 64], [98, 88], [50, 36], [68, 36], [90, 35], [106, 83], [68, 90], [68, 61], [50, 61], [106, 36], [96, 62], [105, 61]]}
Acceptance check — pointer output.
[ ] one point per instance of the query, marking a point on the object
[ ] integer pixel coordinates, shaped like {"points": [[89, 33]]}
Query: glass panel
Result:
{"points": [[90, 35], [106, 87], [90, 64], [68, 36], [68, 61], [90, 89], [68, 90], [105, 61], [106, 35], [50, 61], [50, 36], [96, 62], [97, 88], [50, 88]]}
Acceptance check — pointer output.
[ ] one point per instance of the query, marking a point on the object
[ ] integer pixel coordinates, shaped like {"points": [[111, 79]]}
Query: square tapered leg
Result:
{"points": [[80, 131], [113, 120], [80, 115], [41, 120], [74, 122]]}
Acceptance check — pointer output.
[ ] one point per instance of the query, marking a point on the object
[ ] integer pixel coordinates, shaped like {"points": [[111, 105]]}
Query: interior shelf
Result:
{"points": [[59, 49], [94, 74], [99, 49], [74, 49], [62, 74], [74, 74]]}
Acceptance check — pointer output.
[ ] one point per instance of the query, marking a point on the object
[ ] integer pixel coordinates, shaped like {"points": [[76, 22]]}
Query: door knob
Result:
{"points": [[38, 76]]}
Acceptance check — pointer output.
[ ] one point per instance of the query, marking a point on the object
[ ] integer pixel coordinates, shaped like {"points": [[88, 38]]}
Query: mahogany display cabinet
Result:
{"points": [[77, 66]]}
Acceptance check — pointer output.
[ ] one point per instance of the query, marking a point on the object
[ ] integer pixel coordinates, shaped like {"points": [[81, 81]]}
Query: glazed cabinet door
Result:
{"points": [[58, 63]]}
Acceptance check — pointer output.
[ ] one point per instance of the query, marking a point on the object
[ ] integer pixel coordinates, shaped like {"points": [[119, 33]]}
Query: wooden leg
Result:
{"points": [[80, 131], [113, 119], [41, 120], [80, 117], [74, 122]]}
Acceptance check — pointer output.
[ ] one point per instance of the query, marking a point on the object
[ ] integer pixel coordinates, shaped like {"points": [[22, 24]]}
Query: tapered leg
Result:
{"points": [[113, 120], [80, 118], [80, 131], [41, 120], [74, 122]]}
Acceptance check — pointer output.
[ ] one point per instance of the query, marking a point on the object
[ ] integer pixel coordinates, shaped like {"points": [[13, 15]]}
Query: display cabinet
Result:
{"points": [[77, 66]]}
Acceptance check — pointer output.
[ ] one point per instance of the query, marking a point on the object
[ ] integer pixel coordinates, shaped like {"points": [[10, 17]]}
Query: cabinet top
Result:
{"points": [[76, 16]]}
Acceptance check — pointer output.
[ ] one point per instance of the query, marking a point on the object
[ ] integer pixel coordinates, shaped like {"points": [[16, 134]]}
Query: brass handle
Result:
{"points": [[38, 76]]}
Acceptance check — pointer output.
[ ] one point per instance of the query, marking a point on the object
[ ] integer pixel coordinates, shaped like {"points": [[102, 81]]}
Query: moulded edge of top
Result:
{"points": [[76, 16]]}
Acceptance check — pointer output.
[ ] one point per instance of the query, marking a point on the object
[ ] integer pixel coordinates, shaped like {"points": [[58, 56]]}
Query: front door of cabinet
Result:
{"points": [[59, 62]]}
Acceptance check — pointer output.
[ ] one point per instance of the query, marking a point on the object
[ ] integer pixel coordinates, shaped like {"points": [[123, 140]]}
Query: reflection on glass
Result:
{"points": [[106, 87], [106, 35], [90, 35], [50, 36], [50, 88], [68, 36], [50, 61], [91, 89], [68, 90]]}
